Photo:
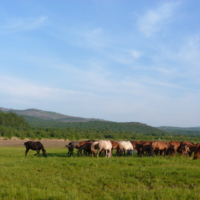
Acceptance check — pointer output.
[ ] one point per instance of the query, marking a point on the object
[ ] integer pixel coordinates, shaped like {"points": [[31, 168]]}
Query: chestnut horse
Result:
{"points": [[176, 145], [115, 146], [160, 146]]}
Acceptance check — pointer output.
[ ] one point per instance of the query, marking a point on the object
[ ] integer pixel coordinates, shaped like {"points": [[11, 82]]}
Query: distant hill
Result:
{"points": [[47, 115], [181, 130], [46, 119]]}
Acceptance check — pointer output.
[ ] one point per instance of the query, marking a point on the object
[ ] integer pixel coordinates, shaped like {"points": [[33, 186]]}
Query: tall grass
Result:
{"points": [[120, 178]]}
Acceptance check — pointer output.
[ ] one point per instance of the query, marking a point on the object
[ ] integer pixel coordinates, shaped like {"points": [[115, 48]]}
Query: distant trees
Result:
{"points": [[14, 125], [13, 120]]}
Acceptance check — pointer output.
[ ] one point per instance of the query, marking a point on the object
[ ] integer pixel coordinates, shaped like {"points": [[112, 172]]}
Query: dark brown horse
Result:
{"points": [[37, 146], [138, 146], [145, 148], [84, 146], [71, 146]]}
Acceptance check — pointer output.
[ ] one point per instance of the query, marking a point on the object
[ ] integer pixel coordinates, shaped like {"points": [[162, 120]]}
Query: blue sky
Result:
{"points": [[110, 59]]}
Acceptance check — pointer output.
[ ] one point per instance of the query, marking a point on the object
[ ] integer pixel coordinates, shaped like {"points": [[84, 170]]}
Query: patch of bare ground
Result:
{"points": [[48, 143]]}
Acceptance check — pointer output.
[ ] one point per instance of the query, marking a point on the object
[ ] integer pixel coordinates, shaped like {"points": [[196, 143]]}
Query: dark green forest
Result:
{"points": [[12, 125]]}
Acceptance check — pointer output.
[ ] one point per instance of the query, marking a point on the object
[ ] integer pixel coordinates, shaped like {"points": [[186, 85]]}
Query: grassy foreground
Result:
{"points": [[80, 178]]}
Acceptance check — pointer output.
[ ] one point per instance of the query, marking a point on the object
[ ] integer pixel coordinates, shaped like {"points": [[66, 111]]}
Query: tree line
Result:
{"points": [[12, 125]]}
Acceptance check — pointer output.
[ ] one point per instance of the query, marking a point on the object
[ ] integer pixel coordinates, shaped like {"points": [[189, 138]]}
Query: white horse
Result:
{"points": [[102, 145], [125, 147]]}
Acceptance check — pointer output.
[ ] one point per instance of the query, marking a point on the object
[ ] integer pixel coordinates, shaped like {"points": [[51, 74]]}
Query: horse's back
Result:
{"points": [[34, 145], [126, 145], [105, 144]]}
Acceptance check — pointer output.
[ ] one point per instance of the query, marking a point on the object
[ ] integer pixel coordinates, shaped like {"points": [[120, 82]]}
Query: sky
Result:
{"points": [[117, 60]]}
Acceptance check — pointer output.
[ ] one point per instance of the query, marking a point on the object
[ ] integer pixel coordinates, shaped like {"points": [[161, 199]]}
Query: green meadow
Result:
{"points": [[59, 177]]}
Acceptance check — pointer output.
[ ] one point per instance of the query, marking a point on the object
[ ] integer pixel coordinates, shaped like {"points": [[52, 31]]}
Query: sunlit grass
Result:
{"points": [[61, 177]]}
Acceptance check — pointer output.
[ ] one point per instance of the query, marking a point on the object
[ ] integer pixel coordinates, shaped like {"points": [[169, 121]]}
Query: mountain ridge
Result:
{"points": [[48, 115], [31, 114]]}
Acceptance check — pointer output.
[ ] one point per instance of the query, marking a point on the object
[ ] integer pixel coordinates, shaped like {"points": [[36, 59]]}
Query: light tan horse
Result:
{"points": [[102, 145], [125, 147]]}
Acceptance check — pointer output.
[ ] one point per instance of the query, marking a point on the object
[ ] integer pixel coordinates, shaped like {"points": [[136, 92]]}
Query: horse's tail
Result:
{"points": [[94, 146]]}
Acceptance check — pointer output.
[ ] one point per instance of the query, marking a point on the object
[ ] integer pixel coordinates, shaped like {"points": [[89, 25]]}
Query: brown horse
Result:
{"points": [[192, 149], [197, 152], [115, 146], [37, 146], [160, 146], [176, 145], [184, 148]]}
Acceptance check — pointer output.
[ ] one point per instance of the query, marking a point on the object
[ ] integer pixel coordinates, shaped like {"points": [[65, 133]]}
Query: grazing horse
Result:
{"points": [[184, 148], [197, 152], [176, 145], [138, 146], [115, 146], [85, 146], [71, 146], [145, 148], [102, 145], [125, 147], [94, 147], [160, 146], [193, 148], [37, 146]]}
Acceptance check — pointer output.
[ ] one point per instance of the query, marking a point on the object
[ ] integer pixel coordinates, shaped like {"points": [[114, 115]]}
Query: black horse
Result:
{"points": [[37, 146]]}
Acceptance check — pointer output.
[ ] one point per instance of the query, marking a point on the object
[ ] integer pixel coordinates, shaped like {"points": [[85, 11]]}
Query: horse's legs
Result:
{"points": [[152, 152], [190, 153], [79, 152], [38, 152], [98, 153], [26, 151], [108, 153], [165, 152]]}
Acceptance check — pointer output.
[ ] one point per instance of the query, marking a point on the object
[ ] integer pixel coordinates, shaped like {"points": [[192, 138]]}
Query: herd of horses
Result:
{"points": [[106, 148]]}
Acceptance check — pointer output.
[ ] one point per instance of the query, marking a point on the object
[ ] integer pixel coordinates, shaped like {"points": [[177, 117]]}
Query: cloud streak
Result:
{"points": [[22, 24], [154, 20]]}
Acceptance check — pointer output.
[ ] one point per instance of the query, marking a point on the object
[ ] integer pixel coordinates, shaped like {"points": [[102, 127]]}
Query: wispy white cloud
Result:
{"points": [[22, 24], [136, 54], [156, 19], [93, 38], [190, 50]]}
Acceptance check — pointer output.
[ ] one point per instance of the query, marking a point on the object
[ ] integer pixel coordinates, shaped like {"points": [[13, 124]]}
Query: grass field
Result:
{"points": [[58, 177]]}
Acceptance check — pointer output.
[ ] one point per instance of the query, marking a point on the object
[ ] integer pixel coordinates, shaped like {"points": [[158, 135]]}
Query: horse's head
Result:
{"points": [[44, 152]]}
